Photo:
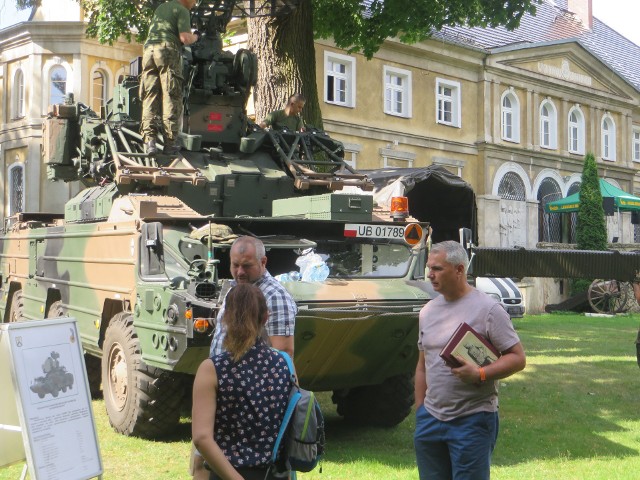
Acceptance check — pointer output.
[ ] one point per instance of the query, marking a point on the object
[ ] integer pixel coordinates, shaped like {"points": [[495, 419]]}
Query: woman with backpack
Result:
{"points": [[240, 396]]}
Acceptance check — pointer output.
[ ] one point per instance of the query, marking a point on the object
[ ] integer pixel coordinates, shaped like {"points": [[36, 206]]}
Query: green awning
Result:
{"points": [[621, 199]]}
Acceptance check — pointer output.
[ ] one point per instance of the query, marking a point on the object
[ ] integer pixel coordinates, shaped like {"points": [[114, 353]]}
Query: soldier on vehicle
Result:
{"points": [[161, 83], [288, 118]]}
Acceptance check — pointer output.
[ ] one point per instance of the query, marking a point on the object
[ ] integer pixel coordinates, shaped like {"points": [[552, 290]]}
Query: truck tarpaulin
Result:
{"points": [[435, 195]]}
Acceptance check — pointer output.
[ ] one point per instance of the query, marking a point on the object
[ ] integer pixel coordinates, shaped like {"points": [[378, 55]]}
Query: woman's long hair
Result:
{"points": [[244, 315]]}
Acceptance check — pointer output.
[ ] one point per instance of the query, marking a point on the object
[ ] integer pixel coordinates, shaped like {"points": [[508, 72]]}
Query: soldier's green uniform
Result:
{"points": [[162, 82], [279, 120]]}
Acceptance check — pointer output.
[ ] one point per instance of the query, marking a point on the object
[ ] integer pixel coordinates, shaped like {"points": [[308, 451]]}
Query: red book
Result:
{"points": [[470, 345]]}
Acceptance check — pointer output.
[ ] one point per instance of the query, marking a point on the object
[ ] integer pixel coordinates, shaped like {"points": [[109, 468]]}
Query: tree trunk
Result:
{"points": [[286, 62]]}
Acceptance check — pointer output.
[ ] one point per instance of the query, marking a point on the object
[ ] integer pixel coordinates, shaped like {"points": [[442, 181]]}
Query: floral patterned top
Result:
{"points": [[251, 401]]}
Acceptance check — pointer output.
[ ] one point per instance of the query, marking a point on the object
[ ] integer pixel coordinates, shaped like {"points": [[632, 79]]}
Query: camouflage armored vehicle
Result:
{"points": [[140, 257]]}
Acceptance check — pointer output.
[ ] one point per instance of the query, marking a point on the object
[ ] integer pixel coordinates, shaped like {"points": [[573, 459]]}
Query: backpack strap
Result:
{"points": [[294, 397]]}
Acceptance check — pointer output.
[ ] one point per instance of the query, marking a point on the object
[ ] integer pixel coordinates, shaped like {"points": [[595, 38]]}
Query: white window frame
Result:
{"points": [[348, 79], [576, 131], [18, 95], [608, 138], [50, 82], [390, 153], [17, 165], [548, 125], [397, 94], [106, 88], [351, 151], [510, 115], [453, 100], [635, 144], [46, 85]]}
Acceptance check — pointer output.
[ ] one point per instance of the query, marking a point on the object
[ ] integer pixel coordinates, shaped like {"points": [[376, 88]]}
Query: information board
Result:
{"points": [[49, 381]]}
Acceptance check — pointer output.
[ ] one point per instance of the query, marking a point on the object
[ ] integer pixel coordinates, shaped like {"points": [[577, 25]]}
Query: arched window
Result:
{"points": [[549, 224], [512, 220], [18, 94], [16, 185], [548, 125], [576, 131], [608, 138], [99, 91], [57, 85], [510, 117], [512, 187]]}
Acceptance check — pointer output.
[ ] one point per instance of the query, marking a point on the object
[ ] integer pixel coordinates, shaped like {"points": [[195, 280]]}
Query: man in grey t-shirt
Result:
{"points": [[457, 408]]}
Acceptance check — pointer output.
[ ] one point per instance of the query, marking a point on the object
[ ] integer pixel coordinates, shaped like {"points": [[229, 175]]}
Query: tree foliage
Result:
{"points": [[23, 4], [111, 19], [591, 229], [362, 26], [286, 54]]}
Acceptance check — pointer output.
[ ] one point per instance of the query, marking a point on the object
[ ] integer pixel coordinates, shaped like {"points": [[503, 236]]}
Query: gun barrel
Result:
{"points": [[521, 262]]}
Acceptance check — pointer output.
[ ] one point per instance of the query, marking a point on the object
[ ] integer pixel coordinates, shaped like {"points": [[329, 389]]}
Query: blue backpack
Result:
{"points": [[301, 432]]}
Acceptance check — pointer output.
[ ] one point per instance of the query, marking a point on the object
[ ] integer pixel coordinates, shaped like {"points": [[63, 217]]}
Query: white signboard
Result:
{"points": [[53, 400]]}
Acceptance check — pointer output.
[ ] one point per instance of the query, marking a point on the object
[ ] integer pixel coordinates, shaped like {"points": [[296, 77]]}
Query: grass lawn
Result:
{"points": [[572, 414]]}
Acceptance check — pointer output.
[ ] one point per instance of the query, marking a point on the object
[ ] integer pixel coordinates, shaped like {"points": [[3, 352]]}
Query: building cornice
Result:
{"points": [[385, 135]]}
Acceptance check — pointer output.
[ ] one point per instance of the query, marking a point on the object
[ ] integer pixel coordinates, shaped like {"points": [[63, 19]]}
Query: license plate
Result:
{"points": [[411, 233]]}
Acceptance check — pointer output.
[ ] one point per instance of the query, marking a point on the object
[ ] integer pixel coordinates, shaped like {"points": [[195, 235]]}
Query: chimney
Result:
{"points": [[582, 9]]}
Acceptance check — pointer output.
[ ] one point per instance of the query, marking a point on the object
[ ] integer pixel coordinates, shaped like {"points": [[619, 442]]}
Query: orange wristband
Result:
{"points": [[483, 375]]}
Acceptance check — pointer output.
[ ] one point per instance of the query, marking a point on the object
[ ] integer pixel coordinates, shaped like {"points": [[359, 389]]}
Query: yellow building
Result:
{"points": [[42, 59], [512, 113]]}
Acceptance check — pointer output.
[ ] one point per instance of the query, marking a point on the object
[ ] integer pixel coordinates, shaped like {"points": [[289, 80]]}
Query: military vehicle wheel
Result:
{"points": [[383, 405], [94, 370], [16, 313], [609, 296], [57, 310], [140, 400]]}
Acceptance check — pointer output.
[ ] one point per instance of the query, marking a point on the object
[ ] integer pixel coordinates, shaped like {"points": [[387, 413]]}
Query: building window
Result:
{"points": [[397, 92], [16, 185], [510, 117], [636, 145], [57, 85], [99, 91], [549, 224], [351, 151], [576, 131], [391, 157], [448, 102], [548, 125], [608, 138], [18, 94], [340, 75]]}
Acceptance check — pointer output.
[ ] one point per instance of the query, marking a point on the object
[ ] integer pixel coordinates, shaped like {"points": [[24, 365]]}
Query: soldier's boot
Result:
{"points": [[170, 147], [150, 147]]}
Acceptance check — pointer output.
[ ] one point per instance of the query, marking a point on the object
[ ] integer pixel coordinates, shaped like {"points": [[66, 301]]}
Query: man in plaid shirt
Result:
{"points": [[249, 265]]}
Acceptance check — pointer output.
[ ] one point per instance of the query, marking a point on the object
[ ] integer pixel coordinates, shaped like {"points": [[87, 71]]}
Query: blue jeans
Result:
{"points": [[459, 449]]}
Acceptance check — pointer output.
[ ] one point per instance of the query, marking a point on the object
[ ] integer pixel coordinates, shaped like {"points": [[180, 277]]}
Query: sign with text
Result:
{"points": [[53, 400]]}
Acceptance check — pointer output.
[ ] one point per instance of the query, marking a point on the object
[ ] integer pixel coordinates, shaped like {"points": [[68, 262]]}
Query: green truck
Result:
{"points": [[140, 257]]}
